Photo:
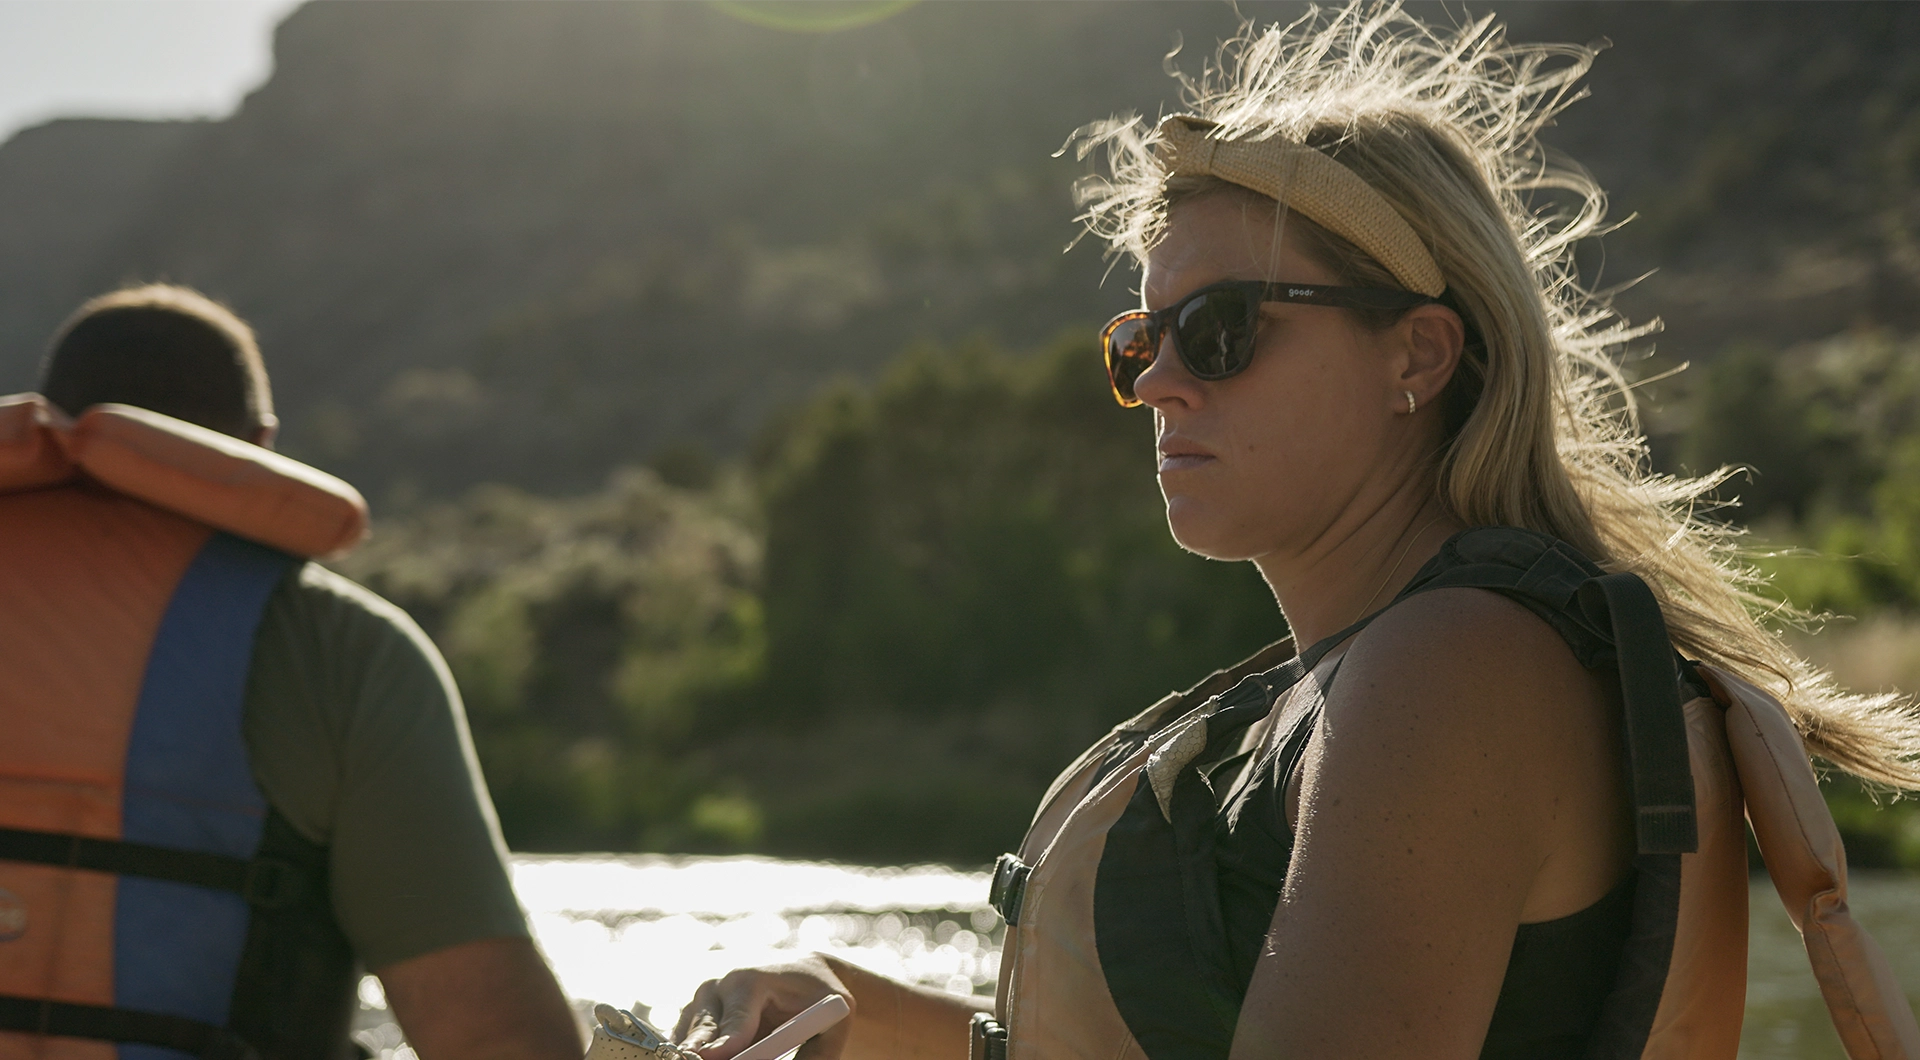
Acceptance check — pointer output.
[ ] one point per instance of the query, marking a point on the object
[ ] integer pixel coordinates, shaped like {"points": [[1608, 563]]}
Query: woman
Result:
{"points": [[1360, 340]]}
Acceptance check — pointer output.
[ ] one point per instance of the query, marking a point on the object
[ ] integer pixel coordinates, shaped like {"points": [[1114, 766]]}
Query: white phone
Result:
{"points": [[794, 1033]]}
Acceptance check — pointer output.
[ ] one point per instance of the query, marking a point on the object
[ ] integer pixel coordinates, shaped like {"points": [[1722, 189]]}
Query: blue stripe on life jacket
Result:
{"points": [[189, 785]]}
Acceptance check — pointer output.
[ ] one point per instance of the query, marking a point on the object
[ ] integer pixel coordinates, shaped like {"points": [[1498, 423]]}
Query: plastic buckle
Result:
{"points": [[632, 1029], [986, 1039], [1009, 888]]}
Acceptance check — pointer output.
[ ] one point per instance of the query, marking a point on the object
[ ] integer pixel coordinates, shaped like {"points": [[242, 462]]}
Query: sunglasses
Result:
{"points": [[1214, 328]]}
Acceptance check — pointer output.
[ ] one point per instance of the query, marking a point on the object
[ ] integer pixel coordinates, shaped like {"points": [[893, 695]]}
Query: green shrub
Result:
{"points": [[882, 639]]}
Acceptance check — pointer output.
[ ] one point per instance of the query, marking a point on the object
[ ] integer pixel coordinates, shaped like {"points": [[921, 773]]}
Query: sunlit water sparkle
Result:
{"points": [[648, 929]]}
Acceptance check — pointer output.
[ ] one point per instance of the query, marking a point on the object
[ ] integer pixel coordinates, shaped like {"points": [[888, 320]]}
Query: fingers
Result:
{"points": [[729, 1021], [730, 1013], [697, 1017], [739, 1026]]}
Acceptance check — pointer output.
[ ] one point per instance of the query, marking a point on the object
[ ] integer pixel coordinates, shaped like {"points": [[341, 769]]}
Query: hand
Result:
{"points": [[732, 1012]]}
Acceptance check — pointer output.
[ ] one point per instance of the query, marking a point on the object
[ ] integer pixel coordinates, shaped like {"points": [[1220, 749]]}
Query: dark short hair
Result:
{"points": [[163, 348]]}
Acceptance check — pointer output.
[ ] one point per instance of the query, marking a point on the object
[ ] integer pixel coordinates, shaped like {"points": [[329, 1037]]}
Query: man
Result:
{"points": [[230, 775]]}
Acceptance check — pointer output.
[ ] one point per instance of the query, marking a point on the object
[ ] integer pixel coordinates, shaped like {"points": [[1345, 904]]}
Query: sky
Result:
{"points": [[131, 58]]}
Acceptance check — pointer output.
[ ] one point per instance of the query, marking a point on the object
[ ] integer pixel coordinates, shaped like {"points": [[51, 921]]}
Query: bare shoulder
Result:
{"points": [[1461, 781], [1466, 718], [1462, 690], [1480, 661]]}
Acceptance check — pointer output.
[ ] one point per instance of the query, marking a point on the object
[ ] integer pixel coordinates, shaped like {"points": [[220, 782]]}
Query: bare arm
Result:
{"points": [[494, 999], [1465, 780], [891, 1020], [907, 1022]]}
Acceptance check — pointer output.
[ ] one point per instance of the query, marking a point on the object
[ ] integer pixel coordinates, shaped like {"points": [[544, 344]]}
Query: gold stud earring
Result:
{"points": [[1412, 405]]}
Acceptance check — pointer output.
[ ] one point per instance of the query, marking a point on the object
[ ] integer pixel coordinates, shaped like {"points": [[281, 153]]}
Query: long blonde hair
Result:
{"points": [[1443, 123]]}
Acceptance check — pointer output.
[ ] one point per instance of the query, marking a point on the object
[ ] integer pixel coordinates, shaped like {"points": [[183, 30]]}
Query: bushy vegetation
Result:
{"points": [[966, 578], [584, 634], [1830, 433], [880, 635], [1828, 437], [981, 529], [971, 558]]}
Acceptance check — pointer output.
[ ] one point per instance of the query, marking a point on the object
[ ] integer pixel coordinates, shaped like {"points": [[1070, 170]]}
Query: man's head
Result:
{"points": [[167, 349]]}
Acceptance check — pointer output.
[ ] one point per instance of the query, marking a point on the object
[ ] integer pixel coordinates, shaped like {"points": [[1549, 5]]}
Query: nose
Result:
{"points": [[1166, 381]]}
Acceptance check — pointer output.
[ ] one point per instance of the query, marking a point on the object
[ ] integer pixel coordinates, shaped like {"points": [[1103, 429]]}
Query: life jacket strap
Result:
{"points": [[265, 883], [42, 1016], [1665, 819]]}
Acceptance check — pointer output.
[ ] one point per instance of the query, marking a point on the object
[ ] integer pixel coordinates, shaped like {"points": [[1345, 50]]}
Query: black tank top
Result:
{"points": [[1558, 974], [1192, 870]]}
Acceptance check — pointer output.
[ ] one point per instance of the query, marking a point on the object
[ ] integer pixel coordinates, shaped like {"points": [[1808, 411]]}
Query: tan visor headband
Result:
{"points": [[1321, 189]]}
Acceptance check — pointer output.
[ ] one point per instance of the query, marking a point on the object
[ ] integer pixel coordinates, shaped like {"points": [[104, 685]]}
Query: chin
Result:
{"points": [[1202, 531]]}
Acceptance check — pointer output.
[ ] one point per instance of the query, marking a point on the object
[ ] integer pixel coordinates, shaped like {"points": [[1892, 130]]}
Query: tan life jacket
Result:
{"points": [[1073, 983], [148, 893]]}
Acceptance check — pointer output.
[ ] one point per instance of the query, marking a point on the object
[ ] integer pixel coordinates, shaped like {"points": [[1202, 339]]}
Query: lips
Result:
{"points": [[1178, 454]]}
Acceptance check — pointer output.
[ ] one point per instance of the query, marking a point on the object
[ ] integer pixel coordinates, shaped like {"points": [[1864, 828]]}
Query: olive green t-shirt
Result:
{"points": [[358, 738]]}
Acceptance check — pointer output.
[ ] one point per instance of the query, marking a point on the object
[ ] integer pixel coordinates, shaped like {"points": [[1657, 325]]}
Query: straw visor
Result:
{"points": [[1306, 180]]}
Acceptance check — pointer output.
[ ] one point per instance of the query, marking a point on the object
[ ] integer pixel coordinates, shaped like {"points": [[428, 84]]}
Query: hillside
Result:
{"points": [[530, 242]]}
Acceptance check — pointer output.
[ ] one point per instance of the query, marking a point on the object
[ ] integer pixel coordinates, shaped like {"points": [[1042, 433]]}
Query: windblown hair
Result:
{"points": [[1542, 430]]}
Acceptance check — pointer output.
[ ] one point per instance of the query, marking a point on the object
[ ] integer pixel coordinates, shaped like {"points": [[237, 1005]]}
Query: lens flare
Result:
{"points": [[815, 16]]}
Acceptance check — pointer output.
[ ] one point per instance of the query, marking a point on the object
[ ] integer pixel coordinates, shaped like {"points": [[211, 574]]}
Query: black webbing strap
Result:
{"points": [[1657, 759], [264, 882], [98, 1022]]}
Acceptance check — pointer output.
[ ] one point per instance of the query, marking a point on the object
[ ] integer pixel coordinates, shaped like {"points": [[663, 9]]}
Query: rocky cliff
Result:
{"points": [[531, 241]]}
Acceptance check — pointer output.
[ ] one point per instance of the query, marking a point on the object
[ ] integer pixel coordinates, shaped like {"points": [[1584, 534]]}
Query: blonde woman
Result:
{"points": [[1453, 825]]}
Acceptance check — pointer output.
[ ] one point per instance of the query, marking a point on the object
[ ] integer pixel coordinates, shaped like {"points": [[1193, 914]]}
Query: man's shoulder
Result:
{"points": [[359, 739], [332, 648], [317, 587], [316, 603]]}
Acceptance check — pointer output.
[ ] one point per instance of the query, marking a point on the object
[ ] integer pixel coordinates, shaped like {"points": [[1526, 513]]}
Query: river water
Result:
{"points": [[649, 929]]}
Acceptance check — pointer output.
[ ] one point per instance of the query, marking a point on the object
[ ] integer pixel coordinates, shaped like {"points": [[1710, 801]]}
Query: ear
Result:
{"points": [[1431, 338]]}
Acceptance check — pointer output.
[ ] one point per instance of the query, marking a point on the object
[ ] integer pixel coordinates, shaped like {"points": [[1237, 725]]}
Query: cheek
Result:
{"points": [[1301, 420], [1295, 444]]}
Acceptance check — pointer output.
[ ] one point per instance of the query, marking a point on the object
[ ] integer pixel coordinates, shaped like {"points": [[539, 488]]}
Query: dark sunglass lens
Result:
{"points": [[1216, 333], [1130, 351]]}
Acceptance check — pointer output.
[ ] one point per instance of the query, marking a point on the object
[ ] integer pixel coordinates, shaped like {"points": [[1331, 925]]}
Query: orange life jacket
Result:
{"points": [[1073, 987], [148, 893]]}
